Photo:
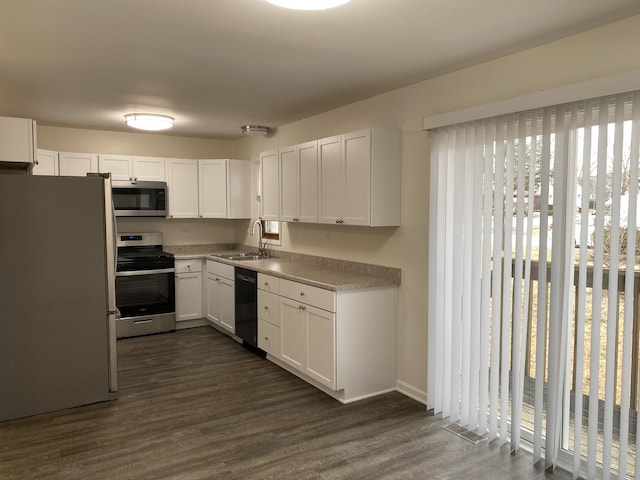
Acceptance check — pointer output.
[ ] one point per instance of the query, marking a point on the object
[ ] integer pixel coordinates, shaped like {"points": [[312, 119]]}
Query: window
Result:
{"points": [[271, 230], [534, 283]]}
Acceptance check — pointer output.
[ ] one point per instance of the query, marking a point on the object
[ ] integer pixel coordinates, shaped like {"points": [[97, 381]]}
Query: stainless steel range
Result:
{"points": [[145, 285]]}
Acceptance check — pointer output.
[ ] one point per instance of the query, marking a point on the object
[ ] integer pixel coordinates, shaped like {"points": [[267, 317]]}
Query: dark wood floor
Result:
{"points": [[195, 405]]}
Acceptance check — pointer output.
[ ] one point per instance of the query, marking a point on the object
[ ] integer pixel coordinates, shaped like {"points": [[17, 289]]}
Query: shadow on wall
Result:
{"points": [[341, 241]]}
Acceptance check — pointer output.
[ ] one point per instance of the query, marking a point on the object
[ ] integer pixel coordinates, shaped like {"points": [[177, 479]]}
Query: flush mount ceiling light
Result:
{"points": [[308, 4], [149, 121], [255, 130]]}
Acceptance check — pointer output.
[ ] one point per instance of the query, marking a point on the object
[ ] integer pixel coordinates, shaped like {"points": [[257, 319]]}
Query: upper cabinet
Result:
{"points": [[270, 185], [77, 164], [372, 167], [330, 180], [224, 188], [126, 167], [17, 140], [182, 188], [46, 163], [299, 183], [350, 179], [208, 188]]}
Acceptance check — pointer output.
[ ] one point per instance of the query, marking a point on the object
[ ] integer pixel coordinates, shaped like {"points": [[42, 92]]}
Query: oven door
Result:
{"points": [[145, 292]]}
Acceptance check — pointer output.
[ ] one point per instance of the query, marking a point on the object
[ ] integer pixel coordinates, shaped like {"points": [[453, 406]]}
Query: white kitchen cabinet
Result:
{"points": [[299, 183], [269, 185], [133, 168], [188, 284], [46, 163], [182, 188], [224, 188], [343, 342], [372, 177], [17, 140], [221, 295], [330, 180], [127, 167], [360, 179], [269, 314], [77, 164], [152, 169], [307, 330], [119, 166], [289, 184]]}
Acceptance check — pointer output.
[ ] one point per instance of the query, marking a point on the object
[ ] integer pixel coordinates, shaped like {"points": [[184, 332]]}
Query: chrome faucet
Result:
{"points": [[261, 249]]}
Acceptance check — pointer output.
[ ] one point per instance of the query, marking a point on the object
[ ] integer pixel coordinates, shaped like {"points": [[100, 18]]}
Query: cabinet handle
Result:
{"points": [[302, 307], [217, 279], [266, 284], [302, 294], [296, 219], [266, 307], [266, 338]]}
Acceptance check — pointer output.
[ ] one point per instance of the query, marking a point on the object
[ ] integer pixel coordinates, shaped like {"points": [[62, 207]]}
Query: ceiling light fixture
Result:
{"points": [[308, 4], [149, 121], [255, 130]]}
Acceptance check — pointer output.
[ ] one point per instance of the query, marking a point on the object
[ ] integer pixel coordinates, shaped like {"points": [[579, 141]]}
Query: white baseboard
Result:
{"points": [[412, 392], [199, 322]]}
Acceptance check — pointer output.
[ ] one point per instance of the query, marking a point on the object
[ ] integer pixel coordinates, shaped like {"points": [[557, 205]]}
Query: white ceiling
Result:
{"points": [[218, 64]]}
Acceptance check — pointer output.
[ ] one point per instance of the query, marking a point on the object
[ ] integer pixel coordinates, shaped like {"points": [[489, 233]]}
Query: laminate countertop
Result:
{"points": [[330, 274]]}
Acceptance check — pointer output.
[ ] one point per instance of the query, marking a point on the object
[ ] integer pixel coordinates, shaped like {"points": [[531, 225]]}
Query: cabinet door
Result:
{"points": [[17, 139], [47, 163], [188, 296], [213, 298], [77, 164], [321, 346], [289, 185], [269, 338], [308, 158], [212, 179], [239, 189], [270, 185], [330, 181], [149, 169], [182, 188], [226, 289], [357, 177], [293, 333], [120, 166]]}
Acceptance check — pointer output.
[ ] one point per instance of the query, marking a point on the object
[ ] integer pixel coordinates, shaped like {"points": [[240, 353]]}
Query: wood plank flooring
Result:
{"points": [[194, 404]]}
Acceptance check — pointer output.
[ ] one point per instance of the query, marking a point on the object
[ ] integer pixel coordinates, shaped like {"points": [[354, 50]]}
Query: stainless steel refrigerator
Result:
{"points": [[57, 293]]}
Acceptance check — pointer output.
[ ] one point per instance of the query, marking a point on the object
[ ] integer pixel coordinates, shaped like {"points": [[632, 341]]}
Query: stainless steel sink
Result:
{"points": [[246, 257], [242, 256]]}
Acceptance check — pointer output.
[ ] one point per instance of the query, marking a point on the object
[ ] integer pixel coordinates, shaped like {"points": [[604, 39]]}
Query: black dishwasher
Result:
{"points": [[246, 289]]}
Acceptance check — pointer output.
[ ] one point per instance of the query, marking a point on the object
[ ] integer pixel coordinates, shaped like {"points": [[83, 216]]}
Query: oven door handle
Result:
{"points": [[145, 272]]}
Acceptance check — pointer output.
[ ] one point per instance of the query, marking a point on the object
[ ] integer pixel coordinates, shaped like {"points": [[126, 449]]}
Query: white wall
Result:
{"points": [[63, 139], [601, 52]]}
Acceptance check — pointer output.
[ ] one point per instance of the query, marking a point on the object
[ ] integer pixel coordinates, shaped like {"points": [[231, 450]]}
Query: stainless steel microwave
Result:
{"points": [[139, 199]]}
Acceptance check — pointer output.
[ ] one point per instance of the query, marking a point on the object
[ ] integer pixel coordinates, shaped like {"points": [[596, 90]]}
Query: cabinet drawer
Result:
{"points": [[269, 338], [188, 266], [300, 292], [268, 283], [269, 307], [220, 269]]}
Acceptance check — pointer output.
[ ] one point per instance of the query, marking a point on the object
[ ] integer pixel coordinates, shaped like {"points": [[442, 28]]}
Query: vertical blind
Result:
{"points": [[534, 282]]}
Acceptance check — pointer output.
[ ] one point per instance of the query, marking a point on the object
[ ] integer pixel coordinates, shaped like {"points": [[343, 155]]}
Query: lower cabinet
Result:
{"points": [[343, 342], [188, 290], [221, 295]]}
